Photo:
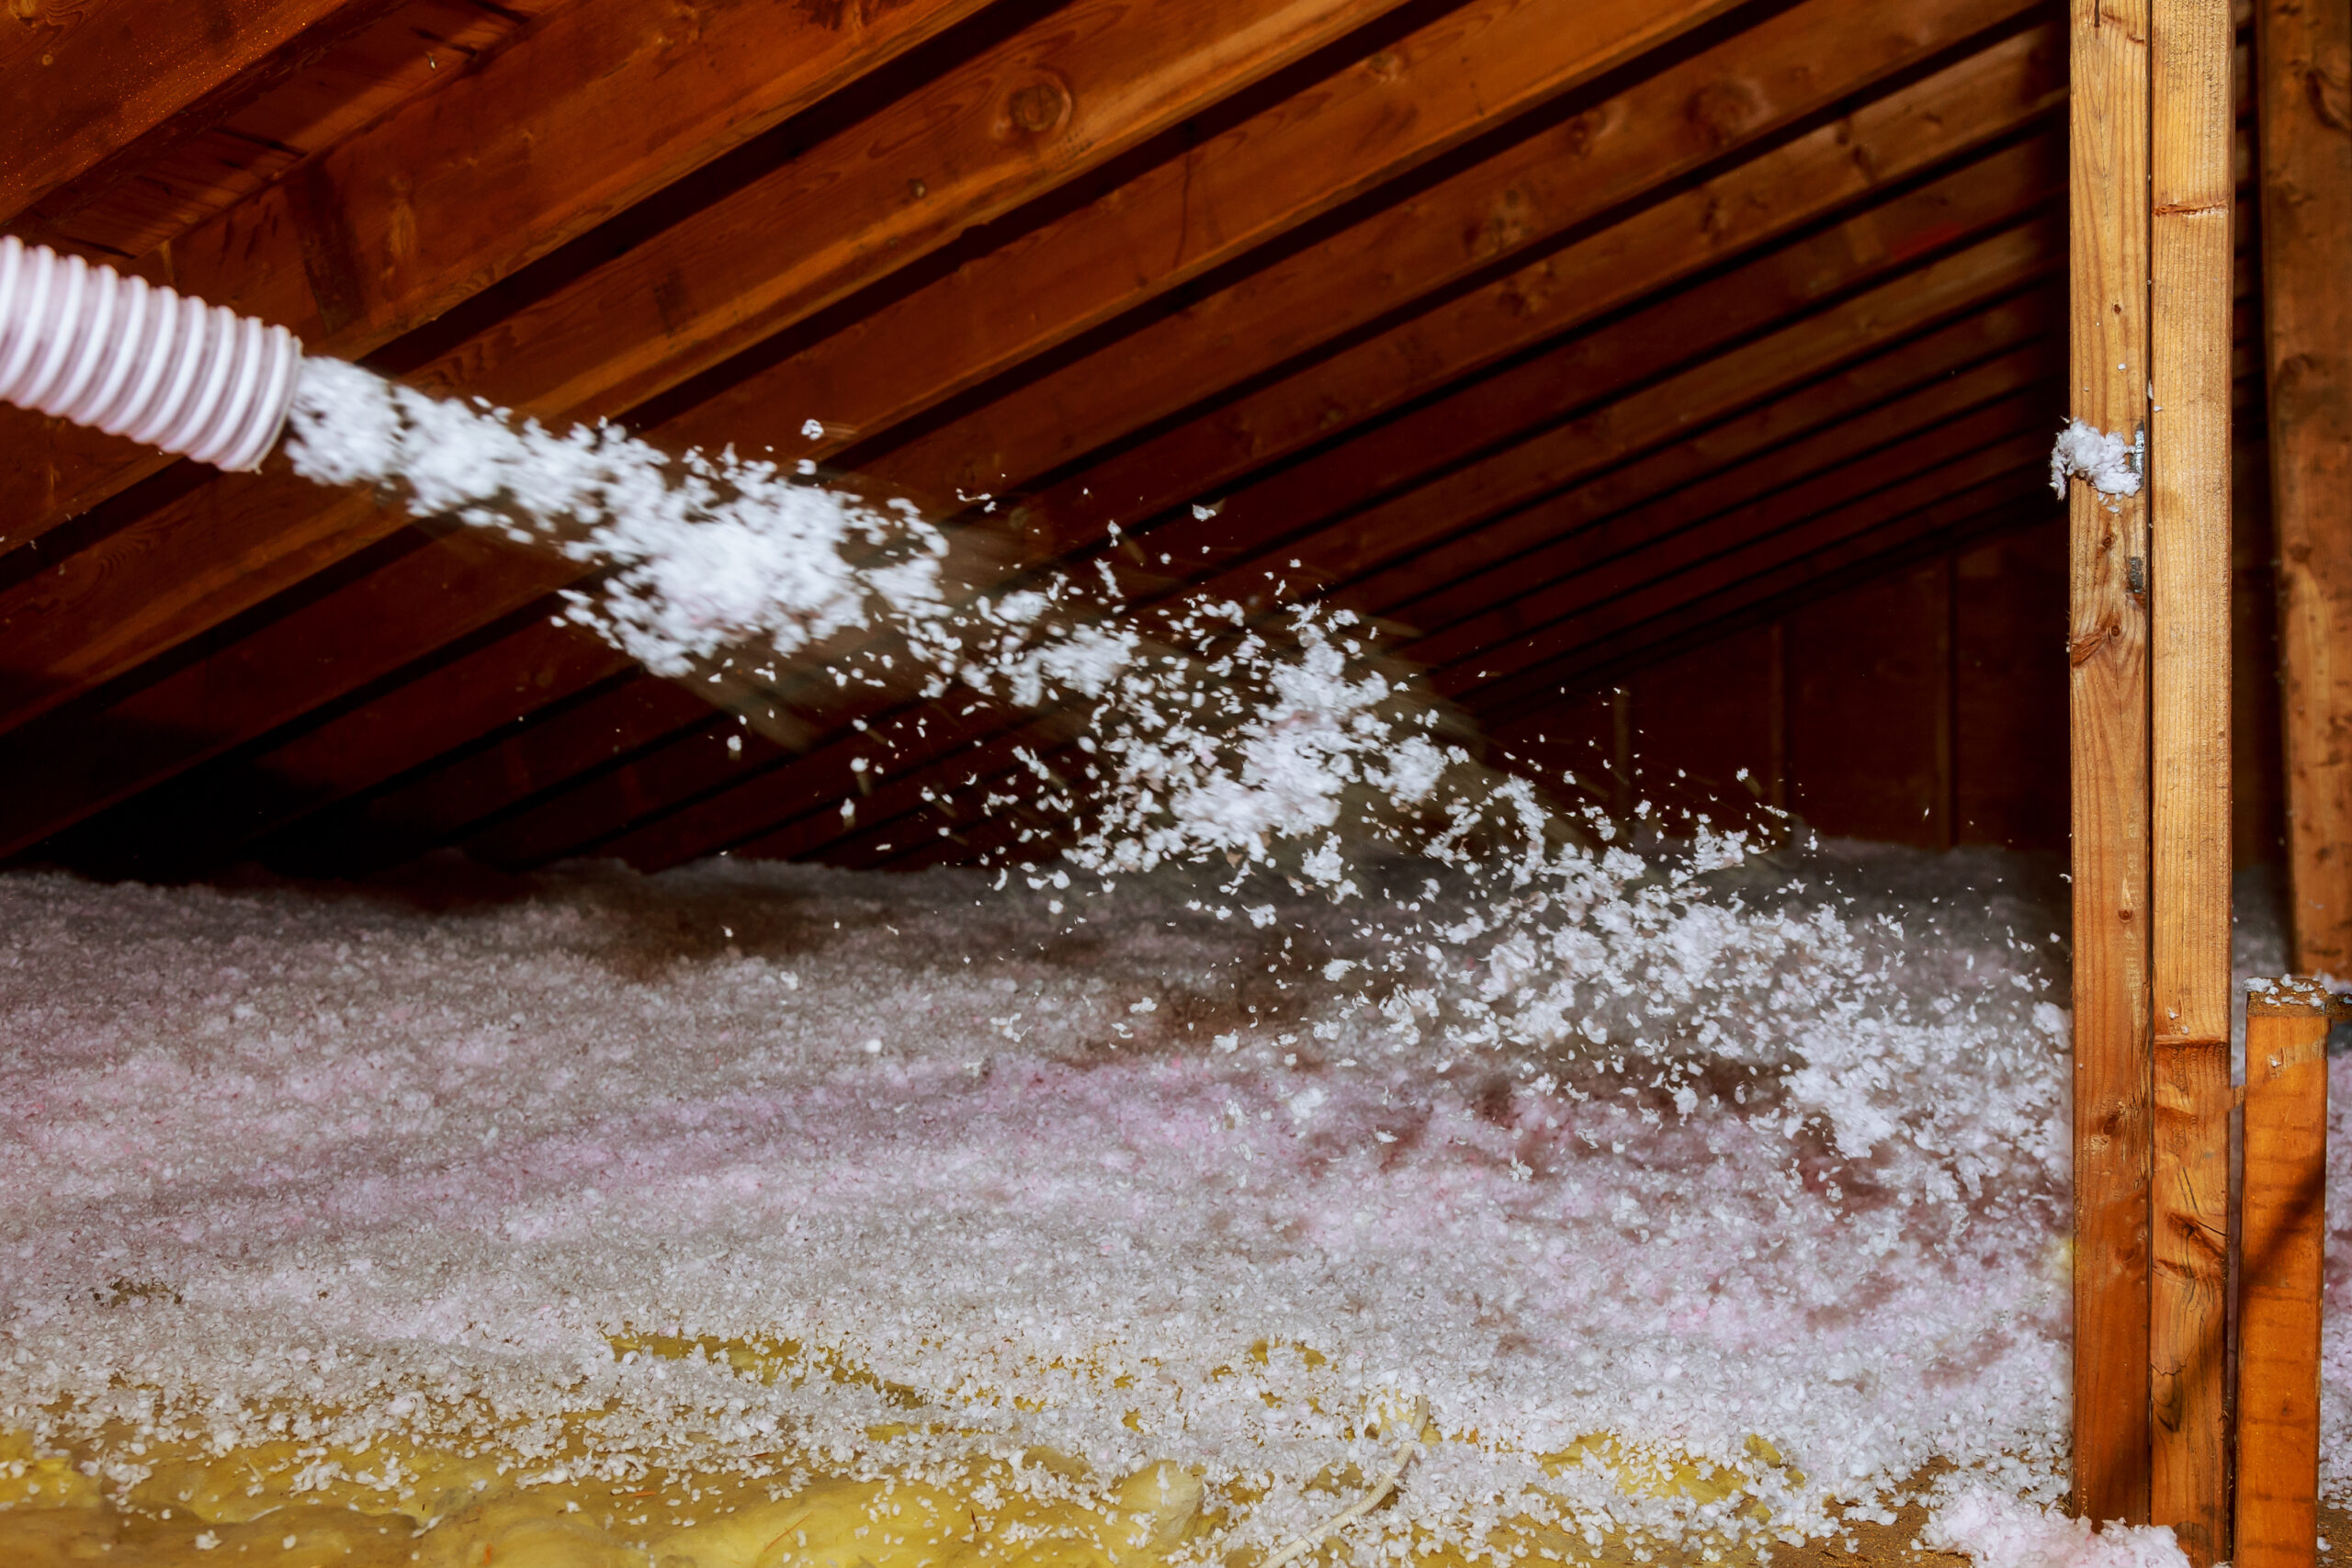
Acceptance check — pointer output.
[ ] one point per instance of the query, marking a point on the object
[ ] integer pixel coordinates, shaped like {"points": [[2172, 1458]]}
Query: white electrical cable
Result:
{"points": [[86, 344]]}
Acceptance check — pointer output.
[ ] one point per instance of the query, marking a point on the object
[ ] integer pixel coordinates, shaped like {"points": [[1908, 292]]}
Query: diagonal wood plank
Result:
{"points": [[1744, 543], [1935, 370], [597, 106], [2003, 504], [110, 83], [1871, 454], [1669, 490], [1943, 288], [1083, 85], [1396, 108], [75, 763], [469, 698], [1669, 342]]}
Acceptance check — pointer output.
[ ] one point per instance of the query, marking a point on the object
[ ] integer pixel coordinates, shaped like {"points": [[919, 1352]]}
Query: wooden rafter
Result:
{"points": [[110, 83], [635, 96]]}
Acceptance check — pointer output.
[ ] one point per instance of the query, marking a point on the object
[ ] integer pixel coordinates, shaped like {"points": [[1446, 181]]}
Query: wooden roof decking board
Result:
{"points": [[718, 771], [335, 82], [115, 81], [605, 103], [1472, 308]]}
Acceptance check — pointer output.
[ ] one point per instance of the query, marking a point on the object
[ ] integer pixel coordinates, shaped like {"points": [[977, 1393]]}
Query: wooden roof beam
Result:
{"points": [[103, 87], [597, 106], [324, 646], [470, 697], [1473, 614], [484, 790], [2003, 346], [1458, 442], [1465, 73], [1765, 198], [1540, 693], [445, 797], [1530, 626]]}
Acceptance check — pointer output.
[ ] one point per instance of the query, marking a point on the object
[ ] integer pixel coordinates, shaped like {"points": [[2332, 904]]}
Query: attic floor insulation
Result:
{"points": [[761, 1214]]}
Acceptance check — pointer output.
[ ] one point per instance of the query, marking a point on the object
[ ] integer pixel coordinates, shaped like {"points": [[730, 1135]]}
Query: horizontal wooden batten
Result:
{"points": [[1587, 609], [1210, 456], [1658, 356], [82, 761], [1667, 490], [1652, 541], [726, 815], [1740, 589]]}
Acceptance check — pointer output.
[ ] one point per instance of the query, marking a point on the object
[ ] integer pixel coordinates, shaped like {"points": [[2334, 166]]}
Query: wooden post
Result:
{"points": [[2107, 648], [2191, 192], [2303, 87], [2280, 1261]]}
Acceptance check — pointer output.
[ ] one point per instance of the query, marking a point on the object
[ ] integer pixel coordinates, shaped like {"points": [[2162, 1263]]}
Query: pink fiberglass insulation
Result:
{"points": [[1051, 1162]]}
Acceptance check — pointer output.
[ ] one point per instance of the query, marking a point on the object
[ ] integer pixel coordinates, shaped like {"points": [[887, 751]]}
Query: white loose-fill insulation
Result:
{"points": [[1054, 1161]]}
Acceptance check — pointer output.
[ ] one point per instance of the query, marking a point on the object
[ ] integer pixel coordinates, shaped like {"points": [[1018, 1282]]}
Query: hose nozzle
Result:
{"points": [[86, 344]]}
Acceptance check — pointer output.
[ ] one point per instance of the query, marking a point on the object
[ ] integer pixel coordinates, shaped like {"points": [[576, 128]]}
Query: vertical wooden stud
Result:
{"points": [[2191, 192], [2107, 650], [2285, 1205], [2303, 89], [2189, 1295]]}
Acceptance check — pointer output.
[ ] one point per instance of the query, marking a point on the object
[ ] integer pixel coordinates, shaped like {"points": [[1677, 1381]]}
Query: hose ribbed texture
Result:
{"points": [[86, 344]]}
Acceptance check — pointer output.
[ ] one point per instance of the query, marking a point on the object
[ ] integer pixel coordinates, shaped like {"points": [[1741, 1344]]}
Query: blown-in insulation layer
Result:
{"points": [[785, 1173]]}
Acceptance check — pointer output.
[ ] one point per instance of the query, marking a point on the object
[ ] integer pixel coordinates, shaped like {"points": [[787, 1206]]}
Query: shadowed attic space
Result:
{"points": [[1670, 384]]}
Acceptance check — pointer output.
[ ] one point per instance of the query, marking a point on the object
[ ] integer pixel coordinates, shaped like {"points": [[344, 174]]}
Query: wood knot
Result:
{"points": [[2081, 650], [1723, 110], [1038, 109]]}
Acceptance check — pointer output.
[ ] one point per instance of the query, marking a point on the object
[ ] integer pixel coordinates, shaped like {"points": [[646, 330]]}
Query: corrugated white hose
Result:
{"points": [[86, 344]]}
